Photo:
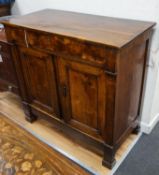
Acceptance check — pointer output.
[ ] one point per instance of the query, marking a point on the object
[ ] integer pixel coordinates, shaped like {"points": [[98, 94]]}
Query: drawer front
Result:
{"points": [[16, 35], [70, 47], [38, 40]]}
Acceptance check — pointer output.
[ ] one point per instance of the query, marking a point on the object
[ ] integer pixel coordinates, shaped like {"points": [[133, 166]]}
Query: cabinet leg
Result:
{"points": [[109, 157], [30, 117], [136, 129]]}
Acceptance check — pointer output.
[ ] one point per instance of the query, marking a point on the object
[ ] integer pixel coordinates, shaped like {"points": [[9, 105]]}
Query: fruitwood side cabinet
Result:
{"points": [[85, 72]]}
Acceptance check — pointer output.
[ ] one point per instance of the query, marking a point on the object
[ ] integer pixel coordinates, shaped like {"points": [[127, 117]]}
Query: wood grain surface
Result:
{"points": [[110, 31]]}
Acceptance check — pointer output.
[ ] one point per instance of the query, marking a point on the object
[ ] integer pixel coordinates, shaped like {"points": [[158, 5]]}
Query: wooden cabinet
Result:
{"points": [[39, 75], [85, 73]]}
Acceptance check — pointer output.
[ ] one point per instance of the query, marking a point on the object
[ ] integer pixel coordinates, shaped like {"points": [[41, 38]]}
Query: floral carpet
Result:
{"points": [[23, 154]]}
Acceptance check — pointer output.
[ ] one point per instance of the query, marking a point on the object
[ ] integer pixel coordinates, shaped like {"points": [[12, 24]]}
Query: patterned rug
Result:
{"points": [[23, 154]]}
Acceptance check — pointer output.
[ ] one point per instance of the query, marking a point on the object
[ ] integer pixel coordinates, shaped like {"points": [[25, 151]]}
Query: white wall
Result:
{"points": [[133, 9]]}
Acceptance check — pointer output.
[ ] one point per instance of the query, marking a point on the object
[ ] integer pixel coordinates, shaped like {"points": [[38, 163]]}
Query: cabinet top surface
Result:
{"points": [[114, 32]]}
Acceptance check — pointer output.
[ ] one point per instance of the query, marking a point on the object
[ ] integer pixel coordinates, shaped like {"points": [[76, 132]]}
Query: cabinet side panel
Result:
{"points": [[131, 66]]}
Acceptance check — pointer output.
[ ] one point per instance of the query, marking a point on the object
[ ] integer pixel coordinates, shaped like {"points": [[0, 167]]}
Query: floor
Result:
{"points": [[10, 106], [144, 157]]}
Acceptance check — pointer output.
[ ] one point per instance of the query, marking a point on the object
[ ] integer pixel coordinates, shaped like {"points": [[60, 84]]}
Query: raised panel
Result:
{"points": [[40, 80], [83, 94], [83, 103]]}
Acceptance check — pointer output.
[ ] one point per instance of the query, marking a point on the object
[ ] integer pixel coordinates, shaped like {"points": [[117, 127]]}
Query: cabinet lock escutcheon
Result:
{"points": [[110, 73], [64, 90]]}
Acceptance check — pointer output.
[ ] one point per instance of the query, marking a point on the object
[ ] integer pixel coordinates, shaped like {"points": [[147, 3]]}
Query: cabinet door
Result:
{"points": [[83, 90], [39, 74]]}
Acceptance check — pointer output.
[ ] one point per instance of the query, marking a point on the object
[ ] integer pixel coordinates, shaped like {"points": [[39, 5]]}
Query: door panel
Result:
{"points": [[83, 92], [84, 96], [39, 76]]}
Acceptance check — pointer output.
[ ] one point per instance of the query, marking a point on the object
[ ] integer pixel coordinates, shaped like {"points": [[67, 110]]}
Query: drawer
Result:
{"points": [[79, 49], [16, 35], [69, 47], [39, 40]]}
